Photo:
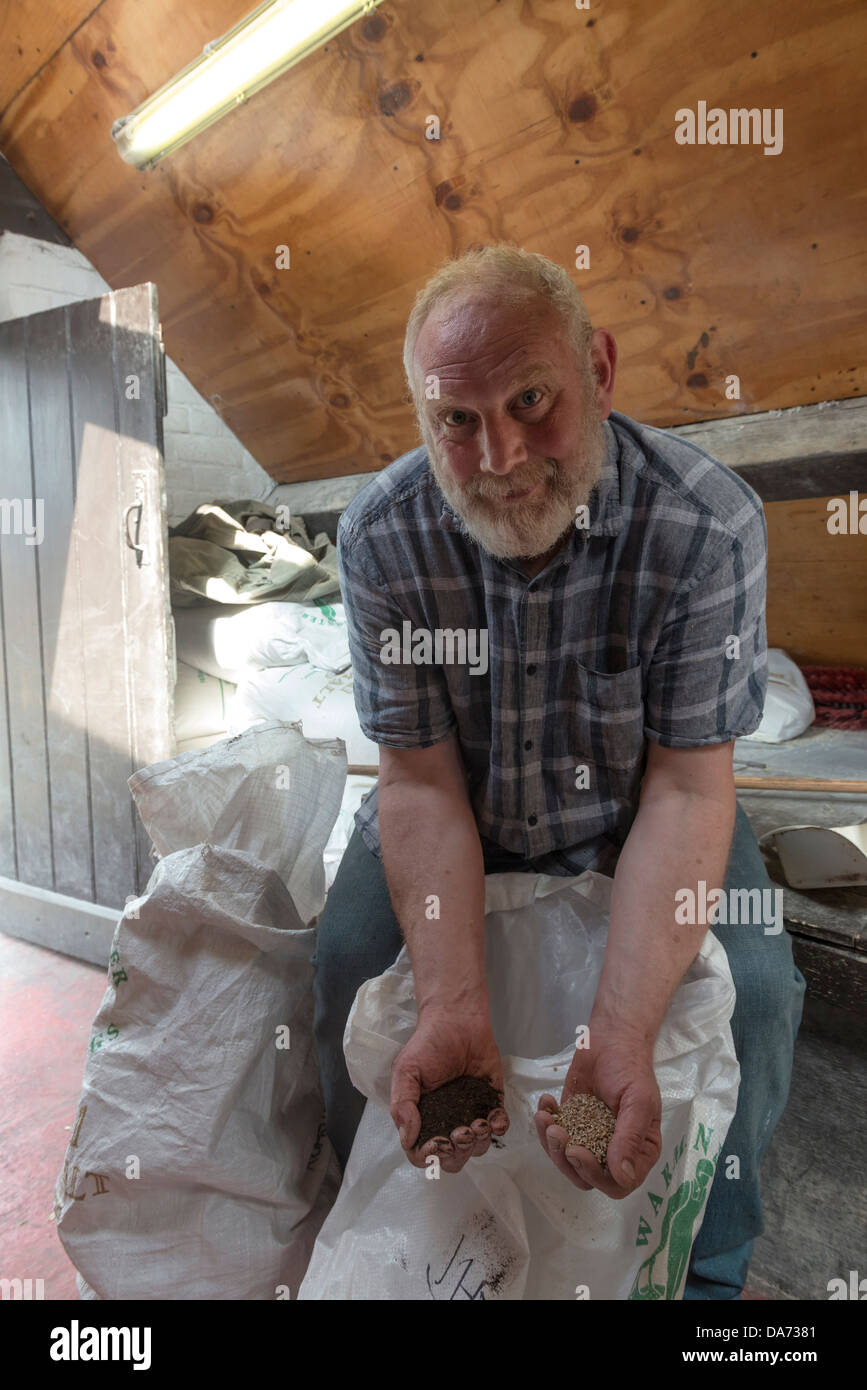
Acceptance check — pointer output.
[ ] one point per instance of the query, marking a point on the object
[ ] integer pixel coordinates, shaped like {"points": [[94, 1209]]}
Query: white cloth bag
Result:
{"points": [[789, 708], [198, 1165], [509, 1225], [230, 640], [322, 701]]}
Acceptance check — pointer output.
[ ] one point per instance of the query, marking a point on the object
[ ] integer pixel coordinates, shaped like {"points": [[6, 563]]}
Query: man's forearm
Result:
{"points": [[435, 873], [676, 840]]}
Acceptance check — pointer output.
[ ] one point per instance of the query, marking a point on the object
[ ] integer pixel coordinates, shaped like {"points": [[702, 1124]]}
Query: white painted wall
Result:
{"points": [[204, 459]]}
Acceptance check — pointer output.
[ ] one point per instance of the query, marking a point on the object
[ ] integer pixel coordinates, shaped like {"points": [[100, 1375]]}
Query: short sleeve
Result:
{"points": [[399, 704], [709, 672]]}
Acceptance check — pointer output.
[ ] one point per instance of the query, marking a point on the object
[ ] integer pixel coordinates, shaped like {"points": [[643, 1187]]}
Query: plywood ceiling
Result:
{"points": [[557, 130]]}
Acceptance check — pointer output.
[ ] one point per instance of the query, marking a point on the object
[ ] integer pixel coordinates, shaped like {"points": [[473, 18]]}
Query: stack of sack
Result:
{"points": [[241, 664]]}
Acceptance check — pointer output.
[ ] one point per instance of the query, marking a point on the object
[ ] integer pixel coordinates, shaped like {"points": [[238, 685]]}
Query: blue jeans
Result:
{"points": [[358, 937]]}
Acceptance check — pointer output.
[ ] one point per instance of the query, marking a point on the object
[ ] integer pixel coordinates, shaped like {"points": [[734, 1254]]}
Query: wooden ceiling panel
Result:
{"points": [[557, 130], [30, 36]]}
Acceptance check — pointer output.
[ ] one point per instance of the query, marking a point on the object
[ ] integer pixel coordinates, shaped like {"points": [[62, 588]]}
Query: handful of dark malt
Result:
{"points": [[454, 1104], [589, 1122]]}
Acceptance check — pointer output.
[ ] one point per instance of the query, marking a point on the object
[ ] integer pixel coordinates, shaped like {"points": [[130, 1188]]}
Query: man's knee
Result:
{"points": [[768, 986]]}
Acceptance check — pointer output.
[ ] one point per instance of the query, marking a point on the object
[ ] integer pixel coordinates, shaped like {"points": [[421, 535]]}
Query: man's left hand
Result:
{"points": [[620, 1072]]}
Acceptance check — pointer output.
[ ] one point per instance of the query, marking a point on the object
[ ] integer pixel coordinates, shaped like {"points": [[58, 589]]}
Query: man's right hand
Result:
{"points": [[444, 1046]]}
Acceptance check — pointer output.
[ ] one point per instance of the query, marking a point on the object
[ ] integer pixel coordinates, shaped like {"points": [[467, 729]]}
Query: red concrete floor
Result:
{"points": [[47, 1004]]}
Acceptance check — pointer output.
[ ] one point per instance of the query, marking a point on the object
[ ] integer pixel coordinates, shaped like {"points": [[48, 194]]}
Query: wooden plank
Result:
{"points": [[819, 476], [96, 549], [32, 35], [832, 972], [808, 451], [836, 916], [148, 630], [803, 784], [552, 120], [62, 656], [66, 924], [22, 620], [817, 586]]}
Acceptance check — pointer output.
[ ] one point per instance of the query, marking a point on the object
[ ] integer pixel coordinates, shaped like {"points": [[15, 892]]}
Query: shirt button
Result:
{"points": [[531, 670], [528, 745], [531, 820]]}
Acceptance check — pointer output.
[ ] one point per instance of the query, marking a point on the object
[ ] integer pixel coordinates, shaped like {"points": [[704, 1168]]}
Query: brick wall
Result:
{"points": [[204, 460]]}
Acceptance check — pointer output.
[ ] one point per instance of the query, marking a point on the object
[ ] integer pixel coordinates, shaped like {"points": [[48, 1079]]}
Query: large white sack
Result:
{"points": [[267, 790], [789, 708], [322, 701], [201, 703], [198, 1165], [229, 640], [509, 1225]]}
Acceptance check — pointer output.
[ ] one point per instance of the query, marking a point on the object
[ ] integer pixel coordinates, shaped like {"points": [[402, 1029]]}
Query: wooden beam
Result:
{"points": [[69, 925], [808, 451], [803, 784], [832, 972]]}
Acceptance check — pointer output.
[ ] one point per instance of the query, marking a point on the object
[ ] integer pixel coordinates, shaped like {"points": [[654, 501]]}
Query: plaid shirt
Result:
{"points": [[626, 635]]}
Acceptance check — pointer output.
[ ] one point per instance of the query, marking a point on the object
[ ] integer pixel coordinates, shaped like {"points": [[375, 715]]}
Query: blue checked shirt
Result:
{"points": [[649, 623]]}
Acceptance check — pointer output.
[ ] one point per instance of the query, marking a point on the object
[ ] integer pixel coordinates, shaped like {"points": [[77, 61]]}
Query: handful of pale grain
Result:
{"points": [[588, 1122]]}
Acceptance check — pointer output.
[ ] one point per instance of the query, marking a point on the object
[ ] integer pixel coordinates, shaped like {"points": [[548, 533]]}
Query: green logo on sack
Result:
{"points": [[683, 1208]]}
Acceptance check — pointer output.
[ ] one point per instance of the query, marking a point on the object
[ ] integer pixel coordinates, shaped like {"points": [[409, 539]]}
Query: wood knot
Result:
{"points": [[373, 28], [583, 108], [394, 98]]}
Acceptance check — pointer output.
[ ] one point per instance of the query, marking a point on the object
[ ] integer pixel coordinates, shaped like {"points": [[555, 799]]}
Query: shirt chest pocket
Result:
{"points": [[604, 721]]}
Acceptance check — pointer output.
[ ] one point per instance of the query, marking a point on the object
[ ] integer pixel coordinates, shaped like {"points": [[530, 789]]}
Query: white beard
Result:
{"points": [[525, 530]]}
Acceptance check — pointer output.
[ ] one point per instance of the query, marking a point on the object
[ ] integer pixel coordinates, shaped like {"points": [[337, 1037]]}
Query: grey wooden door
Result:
{"points": [[87, 664]]}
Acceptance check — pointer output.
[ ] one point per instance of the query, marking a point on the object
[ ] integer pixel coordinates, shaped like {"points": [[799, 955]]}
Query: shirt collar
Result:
{"points": [[606, 513]]}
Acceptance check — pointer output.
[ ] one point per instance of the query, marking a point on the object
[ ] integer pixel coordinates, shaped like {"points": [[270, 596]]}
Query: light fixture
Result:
{"points": [[228, 71]]}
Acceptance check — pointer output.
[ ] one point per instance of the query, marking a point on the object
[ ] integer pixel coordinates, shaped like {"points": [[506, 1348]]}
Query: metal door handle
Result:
{"points": [[134, 544]]}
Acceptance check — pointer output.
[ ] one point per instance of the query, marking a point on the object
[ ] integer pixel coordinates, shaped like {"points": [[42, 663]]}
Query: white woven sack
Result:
{"points": [[230, 640], [201, 703], [321, 701], [789, 708], [198, 1165], [509, 1225]]}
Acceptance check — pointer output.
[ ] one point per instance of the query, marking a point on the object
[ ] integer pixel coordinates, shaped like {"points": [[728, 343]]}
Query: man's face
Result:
{"points": [[515, 439]]}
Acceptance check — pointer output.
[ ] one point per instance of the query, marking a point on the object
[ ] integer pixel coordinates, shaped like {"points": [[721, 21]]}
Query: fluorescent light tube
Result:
{"points": [[229, 70]]}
